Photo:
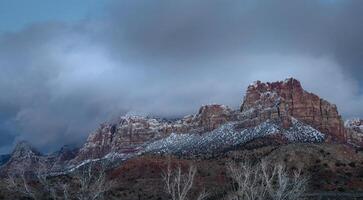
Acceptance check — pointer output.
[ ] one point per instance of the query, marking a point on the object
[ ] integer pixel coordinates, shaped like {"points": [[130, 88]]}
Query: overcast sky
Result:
{"points": [[66, 66]]}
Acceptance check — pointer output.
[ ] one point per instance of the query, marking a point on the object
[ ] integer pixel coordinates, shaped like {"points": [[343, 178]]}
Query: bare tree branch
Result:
{"points": [[264, 181], [17, 182], [204, 194], [36, 185], [179, 184], [92, 181]]}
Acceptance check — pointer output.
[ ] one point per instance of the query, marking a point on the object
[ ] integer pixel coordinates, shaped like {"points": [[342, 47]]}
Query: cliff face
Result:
{"points": [[129, 133], [281, 102], [286, 99]]}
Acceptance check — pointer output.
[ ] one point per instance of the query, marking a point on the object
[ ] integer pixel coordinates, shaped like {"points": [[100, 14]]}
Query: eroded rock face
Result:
{"points": [[207, 119], [354, 129], [280, 100], [123, 136], [129, 133]]}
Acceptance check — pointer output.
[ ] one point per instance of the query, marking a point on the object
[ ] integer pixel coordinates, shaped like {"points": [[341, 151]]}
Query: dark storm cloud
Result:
{"points": [[161, 57], [168, 30], [218, 42]]}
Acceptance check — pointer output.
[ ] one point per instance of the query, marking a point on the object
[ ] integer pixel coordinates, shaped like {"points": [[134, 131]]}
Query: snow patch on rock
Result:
{"points": [[227, 137]]}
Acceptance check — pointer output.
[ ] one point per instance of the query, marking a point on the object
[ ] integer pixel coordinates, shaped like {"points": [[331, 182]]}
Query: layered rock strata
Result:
{"points": [[286, 99]]}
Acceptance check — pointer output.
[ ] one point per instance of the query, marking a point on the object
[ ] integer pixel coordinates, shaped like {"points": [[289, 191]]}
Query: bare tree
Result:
{"points": [[281, 184], [203, 195], [46, 187], [92, 181], [179, 184], [36, 185], [263, 181], [19, 183]]}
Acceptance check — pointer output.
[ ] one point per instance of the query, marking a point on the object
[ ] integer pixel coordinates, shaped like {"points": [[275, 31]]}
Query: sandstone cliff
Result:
{"points": [[284, 99], [129, 133]]}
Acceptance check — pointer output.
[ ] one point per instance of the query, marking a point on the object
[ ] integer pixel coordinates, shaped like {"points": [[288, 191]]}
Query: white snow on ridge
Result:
{"points": [[227, 137], [354, 123], [300, 132], [221, 139]]}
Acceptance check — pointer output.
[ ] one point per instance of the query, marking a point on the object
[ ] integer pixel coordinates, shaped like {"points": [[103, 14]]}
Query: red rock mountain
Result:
{"points": [[129, 133], [283, 100], [287, 98], [285, 105]]}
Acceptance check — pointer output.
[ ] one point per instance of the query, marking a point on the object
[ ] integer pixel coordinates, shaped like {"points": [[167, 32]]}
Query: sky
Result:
{"points": [[67, 66]]}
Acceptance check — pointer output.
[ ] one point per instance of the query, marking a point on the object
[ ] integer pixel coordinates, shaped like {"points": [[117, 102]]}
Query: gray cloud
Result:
{"points": [[59, 81]]}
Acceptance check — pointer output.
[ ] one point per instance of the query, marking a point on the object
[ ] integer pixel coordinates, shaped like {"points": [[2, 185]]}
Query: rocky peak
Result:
{"points": [[123, 135], [277, 85], [285, 99], [24, 149], [23, 158], [267, 95], [210, 117]]}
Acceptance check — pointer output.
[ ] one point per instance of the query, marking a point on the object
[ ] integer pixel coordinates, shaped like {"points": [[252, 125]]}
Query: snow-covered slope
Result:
{"points": [[301, 132], [354, 128], [224, 138], [228, 136], [355, 123]]}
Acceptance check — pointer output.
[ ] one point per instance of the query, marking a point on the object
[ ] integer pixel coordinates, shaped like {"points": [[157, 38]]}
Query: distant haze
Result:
{"points": [[63, 75]]}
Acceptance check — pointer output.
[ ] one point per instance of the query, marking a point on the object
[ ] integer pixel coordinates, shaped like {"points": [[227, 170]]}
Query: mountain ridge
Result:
{"points": [[294, 114]]}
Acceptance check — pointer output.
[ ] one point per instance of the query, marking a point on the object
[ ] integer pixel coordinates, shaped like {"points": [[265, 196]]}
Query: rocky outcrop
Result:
{"points": [[354, 128], [210, 117], [124, 136], [23, 158], [286, 99], [129, 133]]}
